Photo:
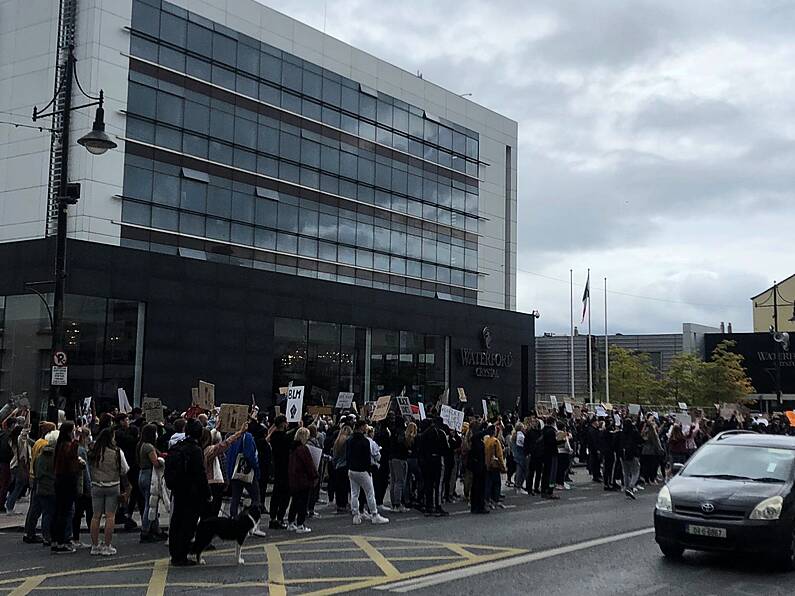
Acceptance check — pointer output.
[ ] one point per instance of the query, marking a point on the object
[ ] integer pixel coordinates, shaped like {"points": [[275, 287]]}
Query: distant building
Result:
{"points": [[763, 307], [553, 357]]}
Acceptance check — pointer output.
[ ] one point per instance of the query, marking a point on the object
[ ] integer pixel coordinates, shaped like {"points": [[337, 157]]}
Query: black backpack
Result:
{"points": [[176, 472]]}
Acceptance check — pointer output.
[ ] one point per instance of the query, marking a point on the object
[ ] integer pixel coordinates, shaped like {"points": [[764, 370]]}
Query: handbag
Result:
{"points": [[242, 470]]}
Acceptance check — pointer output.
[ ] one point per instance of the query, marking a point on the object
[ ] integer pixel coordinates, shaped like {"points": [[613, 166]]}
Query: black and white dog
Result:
{"points": [[225, 528]]}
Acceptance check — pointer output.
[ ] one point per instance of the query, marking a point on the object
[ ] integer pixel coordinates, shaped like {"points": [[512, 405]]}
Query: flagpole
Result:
{"points": [[571, 329], [607, 353], [590, 362]]}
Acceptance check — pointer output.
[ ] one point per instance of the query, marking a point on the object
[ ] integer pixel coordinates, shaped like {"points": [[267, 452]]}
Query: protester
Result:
{"points": [[68, 470], [107, 469], [342, 486], [302, 478], [280, 452], [148, 461], [358, 457]]}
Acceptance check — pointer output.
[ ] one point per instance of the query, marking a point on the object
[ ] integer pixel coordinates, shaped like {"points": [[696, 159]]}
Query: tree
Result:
{"points": [[725, 378], [685, 379], [633, 378]]}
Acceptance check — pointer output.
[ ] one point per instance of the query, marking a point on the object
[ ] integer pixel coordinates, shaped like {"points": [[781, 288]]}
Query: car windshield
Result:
{"points": [[734, 462]]}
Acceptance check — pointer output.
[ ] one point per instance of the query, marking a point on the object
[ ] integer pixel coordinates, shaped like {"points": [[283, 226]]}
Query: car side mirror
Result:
{"points": [[676, 468]]}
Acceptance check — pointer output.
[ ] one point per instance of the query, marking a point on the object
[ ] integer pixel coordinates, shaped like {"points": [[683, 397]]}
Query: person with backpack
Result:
{"points": [[148, 459], [243, 471], [35, 509], [44, 471], [186, 479]]}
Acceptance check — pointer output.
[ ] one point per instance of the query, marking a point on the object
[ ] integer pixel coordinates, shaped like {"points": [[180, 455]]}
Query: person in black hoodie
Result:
{"points": [[534, 450], [398, 465], [594, 453], [190, 495], [549, 438], [280, 454], [631, 442], [477, 465], [606, 446], [433, 442], [381, 474]]}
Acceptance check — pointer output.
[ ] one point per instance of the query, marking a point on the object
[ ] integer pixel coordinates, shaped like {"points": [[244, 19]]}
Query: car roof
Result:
{"points": [[756, 440]]}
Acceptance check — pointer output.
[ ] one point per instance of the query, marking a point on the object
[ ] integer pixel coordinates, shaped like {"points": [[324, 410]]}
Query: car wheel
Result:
{"points": [[672, 551]]}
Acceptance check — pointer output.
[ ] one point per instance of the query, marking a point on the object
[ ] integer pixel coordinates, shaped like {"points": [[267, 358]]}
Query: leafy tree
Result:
{"points": [[685, 378], [633, 378], [725, 378]]}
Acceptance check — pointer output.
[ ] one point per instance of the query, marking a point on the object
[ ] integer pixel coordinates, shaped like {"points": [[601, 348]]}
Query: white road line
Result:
{"points": [[440, 578]]}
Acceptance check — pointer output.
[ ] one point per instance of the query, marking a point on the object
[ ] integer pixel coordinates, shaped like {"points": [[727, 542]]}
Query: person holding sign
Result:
{"points": [[280, 453]]}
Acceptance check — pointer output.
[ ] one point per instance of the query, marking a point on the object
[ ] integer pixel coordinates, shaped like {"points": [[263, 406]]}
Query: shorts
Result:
{"points": [[105, 499]]}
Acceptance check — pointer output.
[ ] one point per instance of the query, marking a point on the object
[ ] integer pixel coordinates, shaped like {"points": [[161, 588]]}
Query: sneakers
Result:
{"points": [[258, 533], [96, 550], [108, 550], [302, 530], [366, 516], [79, 545], [291, 527], [62, 549], [379, 519], [357, 520], [630, 494], [32, 539], [385, 508]]}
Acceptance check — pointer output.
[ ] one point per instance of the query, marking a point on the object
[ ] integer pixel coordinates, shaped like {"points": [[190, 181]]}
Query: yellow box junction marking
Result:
{"points": [[372, 552]]}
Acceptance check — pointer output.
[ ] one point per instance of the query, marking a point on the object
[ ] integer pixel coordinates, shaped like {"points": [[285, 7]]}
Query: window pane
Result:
{"points": [[224, 49], [200, 40], [165, 219], [327, 227], [243, 207], [288, 218], [165, 189], [308, 221]]}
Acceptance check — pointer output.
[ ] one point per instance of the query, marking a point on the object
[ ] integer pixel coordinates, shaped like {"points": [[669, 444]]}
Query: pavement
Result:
{"points": [[588, 541]]}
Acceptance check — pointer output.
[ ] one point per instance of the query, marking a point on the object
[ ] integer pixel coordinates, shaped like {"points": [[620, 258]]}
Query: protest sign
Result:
{"points": [[634, 409], [206, 396], [553, 400], [153, 410], [344, 400], [462, 395], [608, 406], [405, 405], [600, 412], [617, 420], [421, 407], [316, 453], [295, 403], [381, 408], [232, 417], [485, 409], [684, 420], [87, 406], [124, 403], [682, 405], [453, 418], [194, 395], [319, 410], [542, 410], [444, 398], [283, 390], [569, 407], [791, 417]]}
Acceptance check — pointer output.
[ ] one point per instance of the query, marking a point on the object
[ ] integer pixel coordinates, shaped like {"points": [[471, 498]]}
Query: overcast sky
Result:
{"points": [[656, 140]]}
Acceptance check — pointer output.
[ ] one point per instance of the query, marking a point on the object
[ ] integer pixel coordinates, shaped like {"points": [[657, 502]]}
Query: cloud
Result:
{"points": [[656, 138]]}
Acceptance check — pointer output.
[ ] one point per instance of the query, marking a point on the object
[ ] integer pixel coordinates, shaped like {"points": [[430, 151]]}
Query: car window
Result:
{"points": [[758, 463]]}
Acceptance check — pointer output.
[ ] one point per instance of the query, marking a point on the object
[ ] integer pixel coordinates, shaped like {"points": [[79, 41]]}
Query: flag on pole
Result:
{"points": [[586, 296]]}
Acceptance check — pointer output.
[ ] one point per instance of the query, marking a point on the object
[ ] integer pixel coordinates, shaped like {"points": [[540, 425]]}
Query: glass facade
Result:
{"points": [[328, 357], [101, 340], [241, 153]]}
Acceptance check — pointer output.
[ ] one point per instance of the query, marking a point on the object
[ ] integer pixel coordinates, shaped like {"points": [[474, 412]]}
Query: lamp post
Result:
{"points": [[96, 142], [781, 340]]}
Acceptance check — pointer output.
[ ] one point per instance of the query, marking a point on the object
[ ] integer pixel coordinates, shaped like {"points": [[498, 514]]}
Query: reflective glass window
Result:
{"points": [[200, 40], [165, 189], [286, 243], [327, 226], [191, 224]]}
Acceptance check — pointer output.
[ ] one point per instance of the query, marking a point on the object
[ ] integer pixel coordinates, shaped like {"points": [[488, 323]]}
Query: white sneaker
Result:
{"points": [[385, 508], [379, 519], [291, 527], [108, 550], [367, 516], [259, 533], [302, 530], [357, 520], [97, 550]]}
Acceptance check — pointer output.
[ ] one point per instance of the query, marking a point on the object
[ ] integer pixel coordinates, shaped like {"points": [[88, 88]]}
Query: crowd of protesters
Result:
{"points": [[117, 466]]}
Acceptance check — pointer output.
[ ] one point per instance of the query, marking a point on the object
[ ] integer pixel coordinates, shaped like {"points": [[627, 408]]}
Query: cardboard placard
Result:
{"points": [[462, 395], [319, 410], [634, 409], [153, 410], [608, 406], [485, 409], [444, 398], [682, 405], [381, 408], [569, 407], [295, 403], [316, 453], [791, 417], [232, 417], [124, 403], [87, 406], [553, 400], [421, 407], [542, 410], [283, 390], [344, 400], [405, 405], [600, 412], [206, 396], [194, 395], [685, 421], [453, 418]]}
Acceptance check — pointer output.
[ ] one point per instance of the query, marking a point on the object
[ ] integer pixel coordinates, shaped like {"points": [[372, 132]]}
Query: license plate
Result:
{"points": [[706, 531]]}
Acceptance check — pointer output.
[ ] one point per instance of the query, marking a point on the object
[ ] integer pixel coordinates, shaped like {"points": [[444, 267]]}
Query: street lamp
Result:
{"points": [[96, 142], [781, 340]]}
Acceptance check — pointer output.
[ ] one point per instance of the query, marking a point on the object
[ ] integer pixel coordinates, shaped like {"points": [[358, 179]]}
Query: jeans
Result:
{"points": [[83, 505], [298, 507], [20, 484], [631, 472], [521, 471], [362, 481], [236, 489], [398, 469], [144, 482]]}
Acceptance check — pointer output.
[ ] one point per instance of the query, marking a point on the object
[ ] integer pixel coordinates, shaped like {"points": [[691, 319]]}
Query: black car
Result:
{"points": [[734, 495]]}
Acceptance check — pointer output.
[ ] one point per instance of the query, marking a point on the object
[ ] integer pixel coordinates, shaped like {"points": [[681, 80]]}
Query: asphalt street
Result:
{"points": [[589, 541]]}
